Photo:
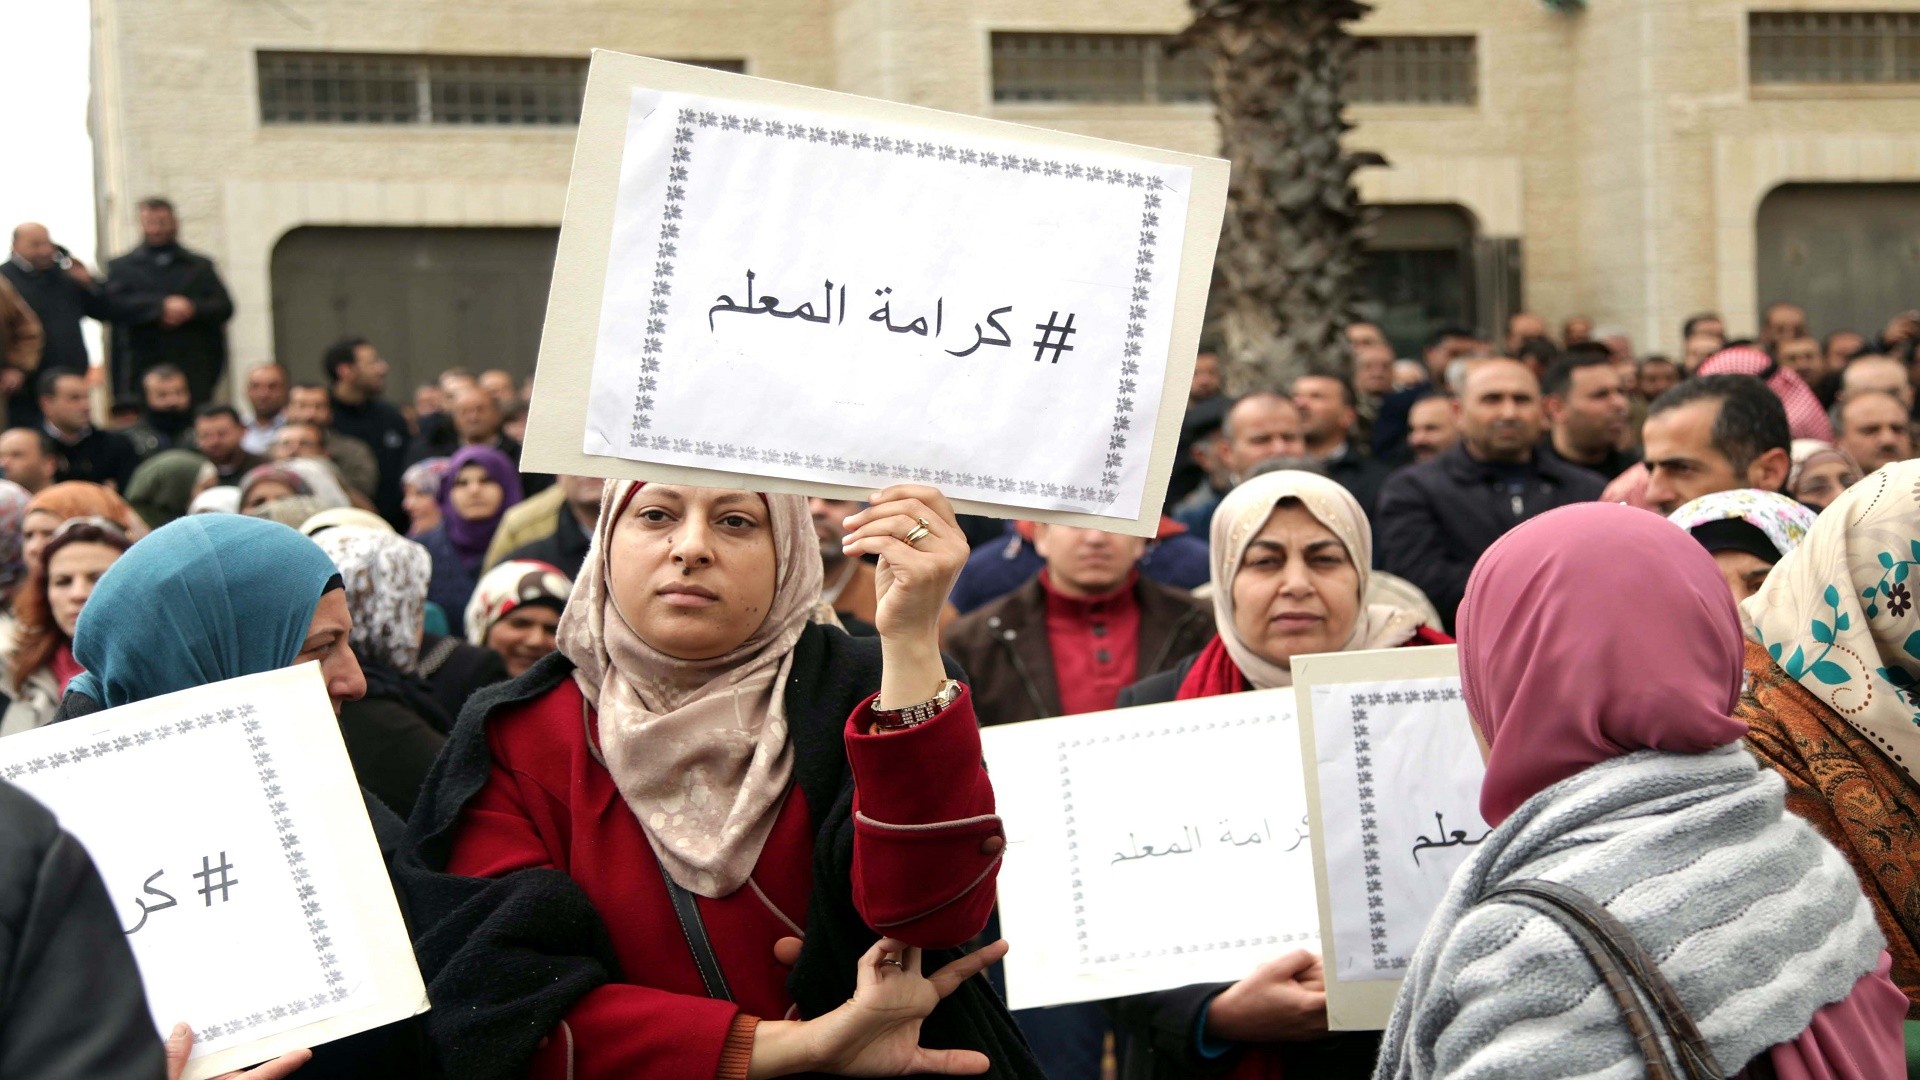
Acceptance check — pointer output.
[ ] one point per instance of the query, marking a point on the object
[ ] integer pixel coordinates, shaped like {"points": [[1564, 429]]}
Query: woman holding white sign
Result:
{"points": [[1646, 903], [1292, 557], [213, 597], [666, 849]]}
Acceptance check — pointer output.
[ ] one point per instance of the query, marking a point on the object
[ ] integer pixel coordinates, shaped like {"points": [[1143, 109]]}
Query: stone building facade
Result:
{"points": [[397, 169]]}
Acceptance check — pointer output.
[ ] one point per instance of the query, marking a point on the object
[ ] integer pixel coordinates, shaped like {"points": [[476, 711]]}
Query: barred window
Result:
{"points": [[1409, 70], [1834, 46], [1147, 69], [1106, 69], [339, 88], [391, 88]]}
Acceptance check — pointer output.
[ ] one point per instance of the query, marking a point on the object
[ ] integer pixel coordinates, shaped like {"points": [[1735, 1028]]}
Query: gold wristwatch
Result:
{"points": [[914, 715]]}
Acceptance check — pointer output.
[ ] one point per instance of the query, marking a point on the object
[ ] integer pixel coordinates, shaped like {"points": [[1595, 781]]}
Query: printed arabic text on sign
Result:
{"points": [[862, 303], [1116, 818]]}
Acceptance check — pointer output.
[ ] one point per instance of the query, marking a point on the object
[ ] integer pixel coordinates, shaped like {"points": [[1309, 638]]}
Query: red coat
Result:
{"points": [[926, 852]]}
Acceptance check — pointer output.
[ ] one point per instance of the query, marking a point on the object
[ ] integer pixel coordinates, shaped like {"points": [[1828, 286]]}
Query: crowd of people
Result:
{"points": [[685, 782]]}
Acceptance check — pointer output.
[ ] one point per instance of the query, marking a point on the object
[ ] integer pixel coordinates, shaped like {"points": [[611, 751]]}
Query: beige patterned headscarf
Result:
{"points": [[1838, 614], [698, 748], [1240, 518]]}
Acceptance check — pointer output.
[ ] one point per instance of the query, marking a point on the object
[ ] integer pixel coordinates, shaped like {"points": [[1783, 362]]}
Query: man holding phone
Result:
{"points": [[60, 291]]}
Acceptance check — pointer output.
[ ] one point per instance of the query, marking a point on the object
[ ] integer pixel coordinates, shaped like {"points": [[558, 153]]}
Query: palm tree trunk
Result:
{"points": [[1288, 274]]}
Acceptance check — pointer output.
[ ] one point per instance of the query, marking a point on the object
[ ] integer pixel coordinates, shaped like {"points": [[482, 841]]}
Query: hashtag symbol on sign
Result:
{"points": [[205, 874], [1047, 330]]}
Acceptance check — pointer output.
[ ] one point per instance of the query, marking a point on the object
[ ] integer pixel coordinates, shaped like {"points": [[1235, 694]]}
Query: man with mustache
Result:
{"points": [[1436, 518]]}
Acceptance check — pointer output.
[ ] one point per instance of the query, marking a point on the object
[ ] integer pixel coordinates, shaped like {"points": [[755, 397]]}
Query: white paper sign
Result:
{"points": [[231, 834], [858, 302], [1151, 848], [1397, 796]]}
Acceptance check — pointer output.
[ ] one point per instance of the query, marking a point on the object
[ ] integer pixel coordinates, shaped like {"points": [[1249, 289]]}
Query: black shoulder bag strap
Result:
{"points": [[1629, 973], [687, 909]]}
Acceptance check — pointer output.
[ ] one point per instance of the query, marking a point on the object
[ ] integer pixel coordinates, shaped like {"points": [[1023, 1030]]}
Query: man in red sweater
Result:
{"points": [[1084, 628]]}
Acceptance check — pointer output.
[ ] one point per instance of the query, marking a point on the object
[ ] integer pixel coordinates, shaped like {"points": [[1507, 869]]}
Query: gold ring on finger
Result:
{"points": [[920, 532]]}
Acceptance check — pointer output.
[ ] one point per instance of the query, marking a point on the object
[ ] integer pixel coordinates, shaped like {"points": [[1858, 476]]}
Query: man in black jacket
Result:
{"points": [[169, 305], [60, 295], [1328, 418], [1435, 519], [71, 1002], [1587, 407], [357, 375], [101, 457]]}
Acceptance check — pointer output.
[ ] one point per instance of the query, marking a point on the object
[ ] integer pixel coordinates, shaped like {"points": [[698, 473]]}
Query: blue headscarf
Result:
{"points": [[203, 599]]}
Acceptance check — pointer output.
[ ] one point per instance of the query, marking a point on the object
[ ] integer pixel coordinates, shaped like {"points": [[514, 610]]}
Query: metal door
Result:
{"points": [[430, 299]]}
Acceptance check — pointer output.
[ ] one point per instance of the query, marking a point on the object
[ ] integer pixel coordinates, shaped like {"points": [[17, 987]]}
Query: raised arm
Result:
{"points": [[927, 843]]}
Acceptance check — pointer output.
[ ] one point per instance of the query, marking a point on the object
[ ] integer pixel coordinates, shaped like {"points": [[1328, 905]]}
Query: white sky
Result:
{"points": [[48, 175]]}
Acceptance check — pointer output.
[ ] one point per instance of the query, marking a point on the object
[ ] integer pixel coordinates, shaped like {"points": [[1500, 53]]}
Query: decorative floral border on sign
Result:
{"points": [[1076, 876], [673, 215], [290, 846], [1363, 790]]}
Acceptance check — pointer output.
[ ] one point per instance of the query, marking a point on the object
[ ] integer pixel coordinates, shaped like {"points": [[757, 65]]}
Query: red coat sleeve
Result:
{"points": [[618, 1030], [926, 842]]}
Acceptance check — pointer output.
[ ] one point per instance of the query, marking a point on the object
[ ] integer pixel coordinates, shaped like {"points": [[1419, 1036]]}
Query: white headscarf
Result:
{"points": [[1240, 518]]}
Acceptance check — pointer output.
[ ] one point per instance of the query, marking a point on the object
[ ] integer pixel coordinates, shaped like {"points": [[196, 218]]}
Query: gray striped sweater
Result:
{"points": [[1756, 921]]}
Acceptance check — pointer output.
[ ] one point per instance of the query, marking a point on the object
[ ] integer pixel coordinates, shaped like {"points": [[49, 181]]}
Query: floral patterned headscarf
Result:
{"points": [[1783, 521], [1837, 614], [511, 585], [385, 576]]}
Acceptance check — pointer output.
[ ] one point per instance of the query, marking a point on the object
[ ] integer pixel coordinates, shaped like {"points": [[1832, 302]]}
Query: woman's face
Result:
{"points": [[1297, 591], [1745, 572], [523, 636], [1822, 482], [35, 531], [692, 569], [326, 641], [263, 492], [423, 511], [475, 496], [71, 575]]}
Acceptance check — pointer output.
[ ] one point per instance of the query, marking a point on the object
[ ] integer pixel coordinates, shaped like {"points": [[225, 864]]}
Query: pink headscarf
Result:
{"points": [[1568, 659], [1805, 418]]}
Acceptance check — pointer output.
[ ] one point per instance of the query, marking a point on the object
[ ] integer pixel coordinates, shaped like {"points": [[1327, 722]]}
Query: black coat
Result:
{"points": [[98, 458], [71, 1004], [1157, 1030], [137, 286], [393, 735], [1436, 518], [455, 670], [1361, 475], [61, 303], [506, 958], [384, 430]]}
